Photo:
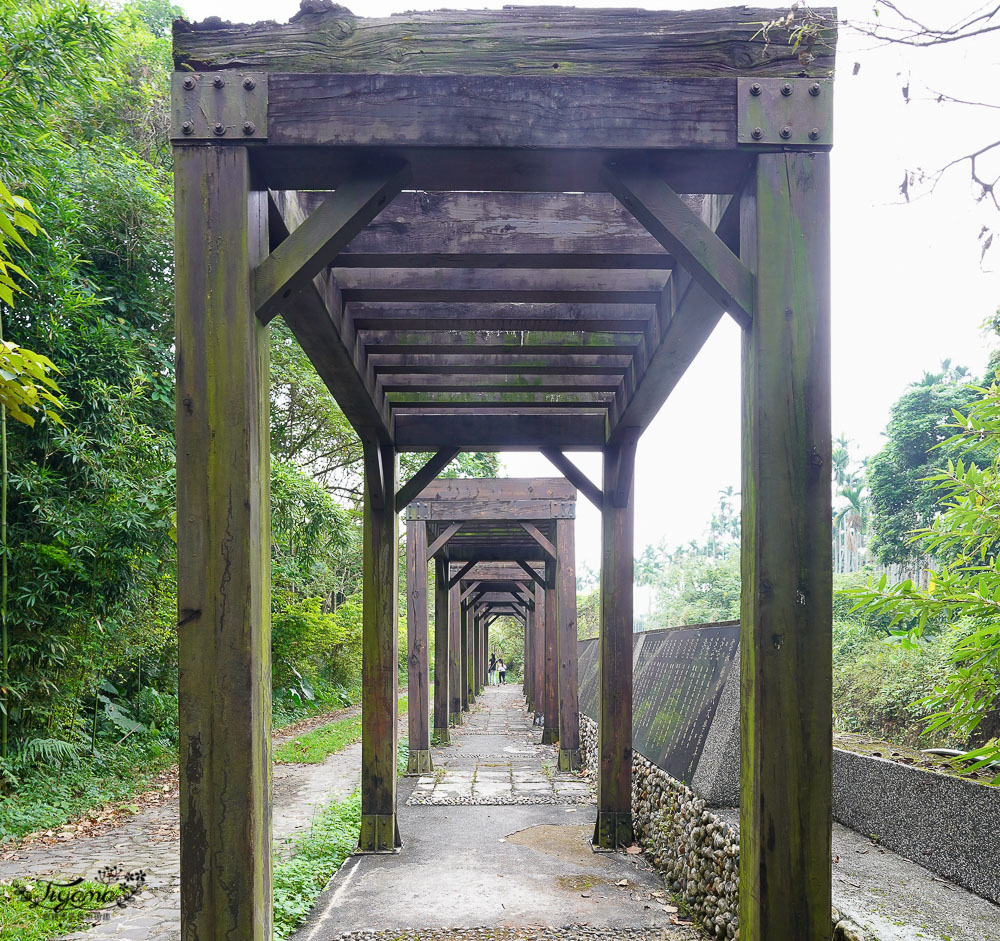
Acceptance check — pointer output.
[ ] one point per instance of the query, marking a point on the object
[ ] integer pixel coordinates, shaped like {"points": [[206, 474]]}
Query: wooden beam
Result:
{"points": [[534, 575], [623, 469], [525, 362], [499, 341], [439, 543], [323, 234], [520, 400], [442, 656], [469, 589], [625, 318], [567, 642], [550, 697], [462, 572], [417, 661], [411, 489], [509, 381], [455, 647], [536, 534], [538, 654], [500, 430], [374, 477], [524, 40], [223, 542], [512, 285], [465, 652], [671, 221], [786, 620], [614, 738], [574, 475], [380, 660]]}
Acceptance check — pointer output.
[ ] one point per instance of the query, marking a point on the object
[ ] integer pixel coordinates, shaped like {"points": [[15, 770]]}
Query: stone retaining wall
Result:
{"points": [[696, 850]]}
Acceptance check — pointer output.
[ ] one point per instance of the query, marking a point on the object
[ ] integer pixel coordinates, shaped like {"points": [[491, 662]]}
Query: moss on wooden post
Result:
{"points": [[786, 613], [223, 550]]}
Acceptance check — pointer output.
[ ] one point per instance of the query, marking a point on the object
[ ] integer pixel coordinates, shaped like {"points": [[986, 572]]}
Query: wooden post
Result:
{"points": [[569, 695], [486, 648], [442, 642], [455, 658], [786, 784], [418, 666], [380, 655], [468, 694], [477, 652], [223, 549], [614, 782], [550, 691], [538, 656], [529, 668]]}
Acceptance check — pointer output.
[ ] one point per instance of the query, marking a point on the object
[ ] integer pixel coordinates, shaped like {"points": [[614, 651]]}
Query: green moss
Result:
{"points": [[314, 747]]}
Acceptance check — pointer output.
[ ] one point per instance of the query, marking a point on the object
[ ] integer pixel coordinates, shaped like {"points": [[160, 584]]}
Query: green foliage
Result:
{"points": [[507, 639], [20, 920], [588, 614], [964, 588], [313, 748], [697, 589]]}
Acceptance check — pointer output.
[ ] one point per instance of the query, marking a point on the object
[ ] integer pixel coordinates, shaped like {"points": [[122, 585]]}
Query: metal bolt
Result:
{"points": [[249, 84], [249, 127], [786, 89], [189, 82], [219, 129], [218, 81], [814, 89], [785, 132], [757, 133], [814, 134], [187, 127], [755, 88]]}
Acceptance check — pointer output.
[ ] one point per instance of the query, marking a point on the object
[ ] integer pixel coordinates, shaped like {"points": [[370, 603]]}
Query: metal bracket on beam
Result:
{"points": [[785, 111], [563, 509], [418, 511], [228, 107]]}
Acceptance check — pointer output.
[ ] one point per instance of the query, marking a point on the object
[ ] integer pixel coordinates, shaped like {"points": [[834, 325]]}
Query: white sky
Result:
{"points": [[908, 287]]}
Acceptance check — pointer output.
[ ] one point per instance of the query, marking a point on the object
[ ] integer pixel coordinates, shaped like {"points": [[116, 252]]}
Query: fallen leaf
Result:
{"points": [[672, 909], [622, 882], [634, 849]]}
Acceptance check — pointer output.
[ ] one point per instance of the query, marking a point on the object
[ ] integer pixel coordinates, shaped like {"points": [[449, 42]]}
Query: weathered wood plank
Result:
{"points": [[786, 784], [460, 574], [569, 696], [536, 534], [512, 381], [525, 362], [490, 508], [460, 400], [327, 229], [380, 661], [439, 543], [411, 489], [503, 430], [499, 341], [708, 259], [510, 285], [575, 476], [223, 550], [614, 785], [627, 318], [530, 570], [417, 661], [442, 656], [516, 40]]}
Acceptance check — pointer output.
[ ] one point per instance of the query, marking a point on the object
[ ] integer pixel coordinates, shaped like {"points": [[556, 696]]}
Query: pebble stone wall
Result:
{"points": [[697, 852]]}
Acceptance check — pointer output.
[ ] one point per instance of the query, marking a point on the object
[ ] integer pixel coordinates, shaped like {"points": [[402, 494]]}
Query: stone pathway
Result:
{"points": [[149, 841], [496, 847]]}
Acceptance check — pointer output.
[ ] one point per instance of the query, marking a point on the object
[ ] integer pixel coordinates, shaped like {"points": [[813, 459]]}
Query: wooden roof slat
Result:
{"points": [[524, 40], [500, 431], [627, 318], [497, 341], [503, 382], [525, 362]]}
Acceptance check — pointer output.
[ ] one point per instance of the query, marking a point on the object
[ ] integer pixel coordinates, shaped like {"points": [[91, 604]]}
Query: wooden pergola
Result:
{"points": [[502, 230], [492, 541]]}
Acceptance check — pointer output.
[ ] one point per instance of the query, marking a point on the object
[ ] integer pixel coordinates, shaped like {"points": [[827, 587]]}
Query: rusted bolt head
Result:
{"points": [[785, 132], [219, 129], [755, 88], [814, 134], [189, 82], [249, 127], [757, 133], [187, 127], [786, 89], [218, 81], [814, 89], [249, 84]]}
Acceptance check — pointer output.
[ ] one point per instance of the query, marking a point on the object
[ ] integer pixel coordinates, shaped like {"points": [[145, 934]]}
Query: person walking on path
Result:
{"points": [[493, 668], [502, 671]]}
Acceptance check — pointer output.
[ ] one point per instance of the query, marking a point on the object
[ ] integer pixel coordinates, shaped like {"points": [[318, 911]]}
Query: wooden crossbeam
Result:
{"points": [[575, 476], [462, 572], [441, 540], [459, 400], [623, 468], [535, 577], [469, 589], [499, 341], [627, 318], [375, 477], [525, 362], [499, 430], [505, 382], [512, 285], [411, 489], [709, 260], [323, 234]]}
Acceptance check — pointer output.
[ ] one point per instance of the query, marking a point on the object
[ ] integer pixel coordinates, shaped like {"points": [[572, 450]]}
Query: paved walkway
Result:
{"points": [[495, 848]]}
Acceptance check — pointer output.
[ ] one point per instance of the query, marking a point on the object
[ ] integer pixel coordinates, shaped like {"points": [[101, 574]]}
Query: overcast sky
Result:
{"points": [[908, 286]]}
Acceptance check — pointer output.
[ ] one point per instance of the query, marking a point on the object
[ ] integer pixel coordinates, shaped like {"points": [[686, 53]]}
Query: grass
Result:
{"points": [[24, 920], [318, 854], [313, 748]]}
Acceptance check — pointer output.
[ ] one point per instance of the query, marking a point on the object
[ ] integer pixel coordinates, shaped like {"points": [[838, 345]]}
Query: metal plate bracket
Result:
{"points": [[794, 112], [418, 511], [229, 107], [563, 509]]}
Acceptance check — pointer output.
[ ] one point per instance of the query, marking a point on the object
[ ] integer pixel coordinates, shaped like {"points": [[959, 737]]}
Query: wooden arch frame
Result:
{"points": [[430, 342]]}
